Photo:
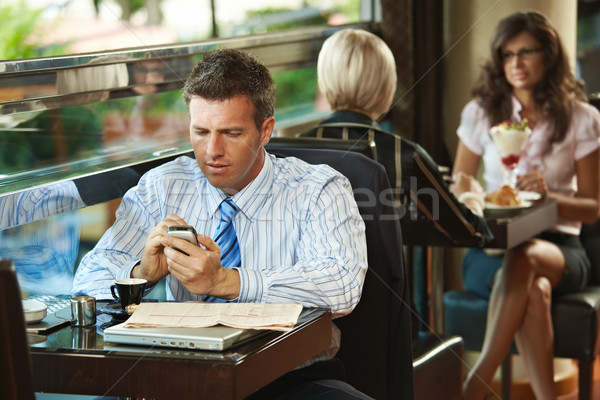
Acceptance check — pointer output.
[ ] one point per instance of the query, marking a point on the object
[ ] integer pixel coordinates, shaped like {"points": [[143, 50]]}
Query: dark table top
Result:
{"points": [[78, 361], [509, 226]]}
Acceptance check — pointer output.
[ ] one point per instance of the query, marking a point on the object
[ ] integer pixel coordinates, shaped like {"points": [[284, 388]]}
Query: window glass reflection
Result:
{"points": [[44, 253], [68, 138], [39, 232], [91, 134]]}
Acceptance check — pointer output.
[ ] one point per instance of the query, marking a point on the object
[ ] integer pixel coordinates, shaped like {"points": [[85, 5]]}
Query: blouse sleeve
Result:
{"points": [[472, 123], [586, 121]]}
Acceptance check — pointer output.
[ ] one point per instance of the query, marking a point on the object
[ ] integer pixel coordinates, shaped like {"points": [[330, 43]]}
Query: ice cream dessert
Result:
{"points": [[510, 138]]}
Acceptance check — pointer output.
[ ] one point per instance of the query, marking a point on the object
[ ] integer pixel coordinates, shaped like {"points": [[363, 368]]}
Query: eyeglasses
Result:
{"points": [[523, 54]]}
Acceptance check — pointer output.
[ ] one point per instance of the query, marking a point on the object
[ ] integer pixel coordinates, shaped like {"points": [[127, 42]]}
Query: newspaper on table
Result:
{"points": [[281, 317]]}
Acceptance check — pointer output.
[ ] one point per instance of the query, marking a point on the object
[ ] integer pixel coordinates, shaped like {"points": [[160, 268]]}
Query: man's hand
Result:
{"points": [[200, 271], [153, 266]]}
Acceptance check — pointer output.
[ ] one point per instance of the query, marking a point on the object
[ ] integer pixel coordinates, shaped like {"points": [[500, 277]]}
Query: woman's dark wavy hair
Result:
{"points": [[226, 73], [554, 93]]}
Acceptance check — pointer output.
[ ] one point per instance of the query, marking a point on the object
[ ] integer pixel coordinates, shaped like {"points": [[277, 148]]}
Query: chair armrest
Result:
{"points": [[440, 360]]}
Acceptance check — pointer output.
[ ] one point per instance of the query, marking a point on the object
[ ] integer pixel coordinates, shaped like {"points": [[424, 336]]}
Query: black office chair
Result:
{"points": [[376, 346], [575, 317], [15, 361], [416, 176]]}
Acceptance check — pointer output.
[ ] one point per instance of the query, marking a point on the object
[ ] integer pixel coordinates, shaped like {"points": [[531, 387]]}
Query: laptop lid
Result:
{"points": [[216, 338]]}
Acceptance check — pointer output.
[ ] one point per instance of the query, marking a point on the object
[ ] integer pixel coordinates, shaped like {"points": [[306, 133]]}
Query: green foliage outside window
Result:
{"points": [[17, 30], [296, 91]]}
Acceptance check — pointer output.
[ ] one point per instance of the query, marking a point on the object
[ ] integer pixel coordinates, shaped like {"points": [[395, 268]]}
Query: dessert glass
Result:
{"points": [[510, 138]]}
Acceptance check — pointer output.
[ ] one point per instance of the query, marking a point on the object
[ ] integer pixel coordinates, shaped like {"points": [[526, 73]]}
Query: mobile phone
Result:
{"points": [[185, 232]]}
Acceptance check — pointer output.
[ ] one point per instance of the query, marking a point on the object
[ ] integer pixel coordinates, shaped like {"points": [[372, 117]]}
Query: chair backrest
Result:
{"points": [[429, 208], [590, 238], [387, 145], [365, 147], [376, 346], [15, 363]]}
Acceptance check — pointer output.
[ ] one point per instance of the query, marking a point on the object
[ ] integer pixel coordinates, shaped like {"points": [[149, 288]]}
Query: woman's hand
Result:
{"points": [[462, 182], [532, 182], [468, 191]]}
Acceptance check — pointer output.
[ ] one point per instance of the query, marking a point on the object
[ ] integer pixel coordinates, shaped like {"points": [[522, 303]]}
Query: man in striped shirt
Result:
{"points": [[300, 234]]}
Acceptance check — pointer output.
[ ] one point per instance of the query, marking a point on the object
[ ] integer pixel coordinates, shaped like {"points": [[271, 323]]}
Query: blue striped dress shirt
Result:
{"points": [[301, 236]]}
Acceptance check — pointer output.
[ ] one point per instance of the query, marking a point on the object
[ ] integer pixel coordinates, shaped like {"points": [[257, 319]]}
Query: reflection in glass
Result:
{"points": [[35, 204], [44, 253], [43, 249], [136, 118], [91, 82], [59, 134], [48, 136], [38, 148]]}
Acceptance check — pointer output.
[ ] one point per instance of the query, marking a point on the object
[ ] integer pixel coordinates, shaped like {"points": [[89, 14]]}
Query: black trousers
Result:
{"points": [[321, 380]]}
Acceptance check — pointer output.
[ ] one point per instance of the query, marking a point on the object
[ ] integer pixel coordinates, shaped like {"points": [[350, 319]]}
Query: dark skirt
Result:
{"points": [[480, 268]]}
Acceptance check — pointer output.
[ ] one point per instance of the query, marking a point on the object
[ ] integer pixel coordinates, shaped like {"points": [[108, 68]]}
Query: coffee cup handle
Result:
{"points": [[112, 290]]}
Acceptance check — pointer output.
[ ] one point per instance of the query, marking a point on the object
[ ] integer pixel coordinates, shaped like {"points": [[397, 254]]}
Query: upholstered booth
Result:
{"points": [[431, 215], [376, 346], [576, 320]]}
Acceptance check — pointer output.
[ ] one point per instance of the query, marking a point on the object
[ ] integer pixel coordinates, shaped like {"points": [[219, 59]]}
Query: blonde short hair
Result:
{"points": [[357, 71]]}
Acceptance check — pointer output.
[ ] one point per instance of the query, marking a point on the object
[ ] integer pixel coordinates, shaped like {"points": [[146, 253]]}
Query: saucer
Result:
{"points": [[115, 311]]}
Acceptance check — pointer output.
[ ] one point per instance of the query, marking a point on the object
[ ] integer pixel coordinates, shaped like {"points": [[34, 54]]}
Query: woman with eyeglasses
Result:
{"points": [[528, 76]]}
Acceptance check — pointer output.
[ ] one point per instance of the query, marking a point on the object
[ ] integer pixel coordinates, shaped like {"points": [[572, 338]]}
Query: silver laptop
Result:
{"points": [[216, 338]]}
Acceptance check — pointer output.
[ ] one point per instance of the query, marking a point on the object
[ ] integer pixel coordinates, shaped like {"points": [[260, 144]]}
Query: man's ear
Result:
{"points": [[266, 130]]}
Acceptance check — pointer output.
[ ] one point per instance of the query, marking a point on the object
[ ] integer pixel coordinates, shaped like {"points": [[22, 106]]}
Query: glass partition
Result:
{"points": [[78, 130], [73, 117]]}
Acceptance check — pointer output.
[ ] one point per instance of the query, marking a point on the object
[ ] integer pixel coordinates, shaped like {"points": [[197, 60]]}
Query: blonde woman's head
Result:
{"points": [[357, 71]]}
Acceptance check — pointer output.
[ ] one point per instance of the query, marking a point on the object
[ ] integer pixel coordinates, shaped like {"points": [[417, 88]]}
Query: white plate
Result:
{"points": [[34, 310], [494, 206], [529, 196]]}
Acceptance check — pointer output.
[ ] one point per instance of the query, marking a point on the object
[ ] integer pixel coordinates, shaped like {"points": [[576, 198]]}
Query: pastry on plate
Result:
{"points": [[506, 196]]}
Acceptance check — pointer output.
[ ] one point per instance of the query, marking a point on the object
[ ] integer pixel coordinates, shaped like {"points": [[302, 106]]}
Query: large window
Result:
{"points": [[83, 111], [95, 25]]}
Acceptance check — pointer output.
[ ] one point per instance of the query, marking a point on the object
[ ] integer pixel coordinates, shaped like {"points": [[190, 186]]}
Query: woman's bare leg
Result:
{"points": [[508, 305], [535, 340]]}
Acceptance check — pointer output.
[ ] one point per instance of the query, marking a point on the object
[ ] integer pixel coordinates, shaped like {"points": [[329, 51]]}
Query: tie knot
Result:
{"points": [[228, 210]]}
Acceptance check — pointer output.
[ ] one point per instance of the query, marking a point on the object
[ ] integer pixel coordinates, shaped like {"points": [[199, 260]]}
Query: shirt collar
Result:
{"points": [[350, 116], [517, 108], [252, 197]]}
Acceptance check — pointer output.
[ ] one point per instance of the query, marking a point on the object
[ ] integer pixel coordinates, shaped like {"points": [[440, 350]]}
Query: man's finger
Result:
{"points": [[207, 242]]}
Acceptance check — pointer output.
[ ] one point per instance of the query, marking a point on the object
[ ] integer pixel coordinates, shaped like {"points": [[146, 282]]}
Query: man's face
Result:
{"points": [[226, 142]]}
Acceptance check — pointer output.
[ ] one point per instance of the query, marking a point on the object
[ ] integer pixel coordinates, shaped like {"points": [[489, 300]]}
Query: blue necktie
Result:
{"points": [[225, 236]]}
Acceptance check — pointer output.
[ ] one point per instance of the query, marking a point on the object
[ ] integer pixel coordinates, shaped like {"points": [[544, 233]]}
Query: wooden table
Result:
{"points": [[77, 361]]}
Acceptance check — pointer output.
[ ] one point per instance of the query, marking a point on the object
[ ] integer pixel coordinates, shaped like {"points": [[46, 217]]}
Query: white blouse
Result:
{"points": [[557, 166]]}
